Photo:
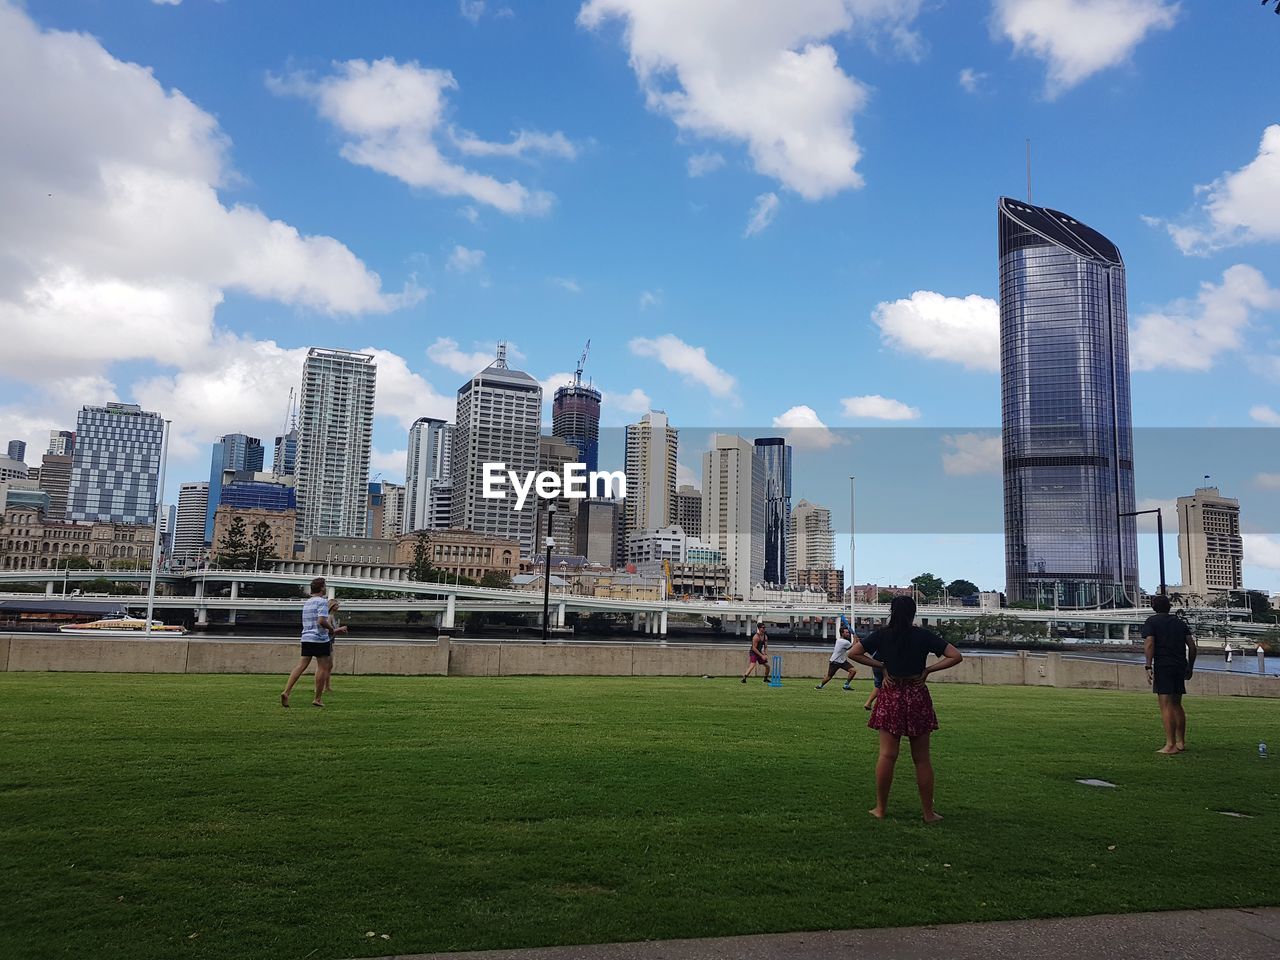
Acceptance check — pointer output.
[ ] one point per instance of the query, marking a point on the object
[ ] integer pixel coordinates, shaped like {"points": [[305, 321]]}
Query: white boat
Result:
{"points": [[121, 627]]}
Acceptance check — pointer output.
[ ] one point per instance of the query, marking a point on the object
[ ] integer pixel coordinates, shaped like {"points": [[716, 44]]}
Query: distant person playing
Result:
{"points": [[334, 630], [877, 681], [1171, 657], [759, 654], [840, 657], [317, 644], [904, 707]]}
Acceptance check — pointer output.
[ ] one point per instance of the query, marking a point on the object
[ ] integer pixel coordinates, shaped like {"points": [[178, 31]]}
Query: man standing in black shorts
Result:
{"points": [[1171, 656]]}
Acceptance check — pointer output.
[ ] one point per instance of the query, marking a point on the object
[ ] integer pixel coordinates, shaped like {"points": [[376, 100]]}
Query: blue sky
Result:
{"points": [[424, 179]]}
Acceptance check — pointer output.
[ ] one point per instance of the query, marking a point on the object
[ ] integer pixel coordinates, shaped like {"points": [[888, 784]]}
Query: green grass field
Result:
{"points": [[190, 816]]}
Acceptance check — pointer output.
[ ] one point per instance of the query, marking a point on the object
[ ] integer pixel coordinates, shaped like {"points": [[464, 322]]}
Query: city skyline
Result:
{"points": [[713, 284]]}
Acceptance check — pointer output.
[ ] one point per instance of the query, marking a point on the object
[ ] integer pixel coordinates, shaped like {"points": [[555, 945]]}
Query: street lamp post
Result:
{"points": [[546, 575], [1164, 590]]}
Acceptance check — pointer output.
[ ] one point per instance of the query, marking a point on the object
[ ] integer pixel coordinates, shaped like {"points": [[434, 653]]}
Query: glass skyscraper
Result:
{"points": [[235, 451], [116, 464], [1065, 412], [776, 454]]}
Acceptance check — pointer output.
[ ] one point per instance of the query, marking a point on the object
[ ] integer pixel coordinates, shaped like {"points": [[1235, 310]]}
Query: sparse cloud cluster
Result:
{"points": [[689, 361], [963, 330]]}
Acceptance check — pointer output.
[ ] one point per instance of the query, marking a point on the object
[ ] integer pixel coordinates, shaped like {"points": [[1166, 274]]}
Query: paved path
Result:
{"points": [[1180, 935]]}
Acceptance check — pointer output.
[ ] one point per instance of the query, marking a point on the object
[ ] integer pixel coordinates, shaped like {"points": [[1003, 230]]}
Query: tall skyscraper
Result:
{"points": [[55, 480], [553, 454], [498, 421], [284, 461], [18, 450], [810, 541], [776, 454], [235, 451], [385, 510], [1209, 543], [733, 509], [335, 432], [688, 513], [428, 466], [188, 532], [575, 416], [62, 443], [651, 450], [1067, 429], [116, 464]]}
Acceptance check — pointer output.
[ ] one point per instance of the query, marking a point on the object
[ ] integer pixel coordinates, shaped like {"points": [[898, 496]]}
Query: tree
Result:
{"points": [[930, 587], [234, 552], [76, 561], [962, 588], [420, 568], [262, 544], [496, 579], [1260, 604], [884, 596]]}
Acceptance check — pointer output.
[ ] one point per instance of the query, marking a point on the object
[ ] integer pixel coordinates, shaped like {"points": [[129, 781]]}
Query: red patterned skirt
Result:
{"points": [[904, 710]]}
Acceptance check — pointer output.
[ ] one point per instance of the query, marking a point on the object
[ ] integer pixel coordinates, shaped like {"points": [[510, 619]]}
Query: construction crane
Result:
{"points": [[290, 424], [582, 362]]}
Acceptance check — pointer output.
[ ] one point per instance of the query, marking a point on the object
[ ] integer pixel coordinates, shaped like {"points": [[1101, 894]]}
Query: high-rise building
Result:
{"points": [[18, 450], [62, 443], [810, 545], [284, 461], [733, 510], [11, 469], [335, 433], [55, 480], [553, 454], [168, 526], [235, 451], [596, 530], [688, 513], [385, 510], [575, 416], [188, 533], [1209, 543], [776, 454], [428, 466], [1067, 429], [498, 421], [116, 464], [651, 450]]}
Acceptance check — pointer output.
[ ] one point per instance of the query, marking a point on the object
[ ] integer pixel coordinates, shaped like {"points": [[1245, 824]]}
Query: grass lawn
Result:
{"points": [[190, 816]]}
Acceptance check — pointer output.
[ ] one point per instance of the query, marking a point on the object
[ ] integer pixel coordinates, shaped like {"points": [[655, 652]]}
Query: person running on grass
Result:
{"points": [[316, 644], [759, 654], [334, 630], [904, 707], [877, 681], [1171, 656], [839, 657]]}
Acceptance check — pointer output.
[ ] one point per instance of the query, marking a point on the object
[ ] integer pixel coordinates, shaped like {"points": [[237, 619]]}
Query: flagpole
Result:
{"points": [[155, 539], [853, 580]]}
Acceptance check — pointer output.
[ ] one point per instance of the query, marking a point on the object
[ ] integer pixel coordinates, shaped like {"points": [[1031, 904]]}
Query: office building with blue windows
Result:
{"points": [[235, 451]]}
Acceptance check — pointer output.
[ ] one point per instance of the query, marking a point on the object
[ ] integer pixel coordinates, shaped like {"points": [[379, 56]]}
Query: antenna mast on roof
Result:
{"points": [[501, 361], [1028, 169], [582, 362]]}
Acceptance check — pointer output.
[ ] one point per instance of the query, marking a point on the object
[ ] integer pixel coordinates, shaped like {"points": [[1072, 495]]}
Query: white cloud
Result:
{"points": [[394, 117], [650, 298], [1261, 550], [554, 382], [701, 164], [405, 395], [876, 407], [1265, 414], [464, 260], [763, 211], [805, 429], [971, 454], [1267, 481], [1078, 38], [689, 361], [685, 476], [470, 214], [389, 463], [473, 10], [971, 80], [963, 330], [1189, 335], [567, 283], [1169, 514], [1242, 206], [758, 72], [633, 401], [171, 3], [445, 352]]}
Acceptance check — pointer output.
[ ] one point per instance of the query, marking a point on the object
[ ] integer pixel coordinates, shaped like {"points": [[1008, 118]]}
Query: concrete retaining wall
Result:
{"points": [[20, 653]]}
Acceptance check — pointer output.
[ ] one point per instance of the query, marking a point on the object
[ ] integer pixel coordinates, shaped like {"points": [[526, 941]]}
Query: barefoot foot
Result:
{"points": [[932, 817], [1168, 750], [316, 703], [877, 812], [284, 699]]}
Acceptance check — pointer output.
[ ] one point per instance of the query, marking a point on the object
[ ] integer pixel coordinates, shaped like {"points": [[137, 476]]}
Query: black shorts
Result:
{"points": [[313, 649], [835, 666], [1169, 680]]}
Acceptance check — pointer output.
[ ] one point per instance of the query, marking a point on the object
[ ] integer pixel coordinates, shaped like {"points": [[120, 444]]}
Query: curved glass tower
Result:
{"points": [[1065, 412]]}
